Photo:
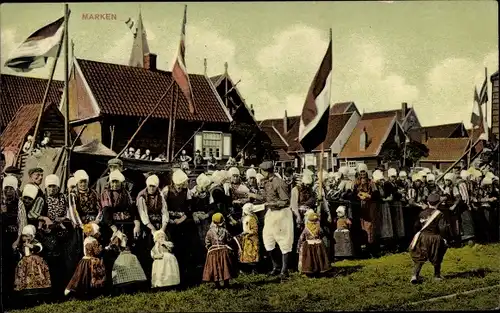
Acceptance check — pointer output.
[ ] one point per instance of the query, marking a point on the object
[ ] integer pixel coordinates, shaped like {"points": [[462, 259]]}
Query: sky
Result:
{"points": [[429, 54]]}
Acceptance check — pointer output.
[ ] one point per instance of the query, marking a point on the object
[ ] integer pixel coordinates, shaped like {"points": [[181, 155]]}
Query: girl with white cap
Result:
{"points": [[13, 216], [32, 276], [165, 270], [249, 238], [200, 203], [467, 228], [153, 212], [343, 242], [35, 205], [89, 278], [451, 198]]}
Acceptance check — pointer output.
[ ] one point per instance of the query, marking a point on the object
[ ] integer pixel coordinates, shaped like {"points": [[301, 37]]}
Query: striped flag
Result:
{"points": [[483, 95], [130, 24], [314, 119], [37, 48], [179, 71], [476, 116]]}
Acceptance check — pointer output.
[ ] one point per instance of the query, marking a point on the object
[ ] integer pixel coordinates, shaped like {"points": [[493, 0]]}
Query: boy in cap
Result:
{"points": [[278, 221], [113, 164], [428, 244]]}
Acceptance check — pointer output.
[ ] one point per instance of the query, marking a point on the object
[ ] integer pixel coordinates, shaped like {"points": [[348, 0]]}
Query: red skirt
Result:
{"points": [[219, 265], [314, 258], [88, 275]]}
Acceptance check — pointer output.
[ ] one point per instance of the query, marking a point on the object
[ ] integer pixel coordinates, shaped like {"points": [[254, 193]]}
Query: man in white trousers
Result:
{"points": [[278, 221]]}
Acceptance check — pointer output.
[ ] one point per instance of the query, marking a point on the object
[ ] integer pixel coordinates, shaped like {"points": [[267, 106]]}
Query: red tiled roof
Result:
{"points": [[16, 91], [23, 122], [340, 108], [382, 114], [132, 91], [377, 126], [445, 149], [336, 123]]}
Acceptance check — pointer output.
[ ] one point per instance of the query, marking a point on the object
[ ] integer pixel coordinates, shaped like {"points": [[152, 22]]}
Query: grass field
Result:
{"points": [[375, 284]]}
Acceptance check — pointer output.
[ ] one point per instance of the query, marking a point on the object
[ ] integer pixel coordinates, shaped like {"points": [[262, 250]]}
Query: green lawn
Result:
{"points": [[375, 284]]}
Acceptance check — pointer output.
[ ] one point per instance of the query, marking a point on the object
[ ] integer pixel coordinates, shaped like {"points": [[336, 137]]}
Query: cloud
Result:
{"points": [[8, 42], [450, 86], [360, 72]]}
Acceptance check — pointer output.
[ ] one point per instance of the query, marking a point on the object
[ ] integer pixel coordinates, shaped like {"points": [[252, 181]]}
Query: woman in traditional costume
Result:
{"points": [[165, 270], [342, 235], [127, 274], [13, 220], [154, 215], [383, 196], [32, 276], [417, 194], [364, 189], [396, 208], [200, 204], [182, 229], [313, 254], [90, 275], [219, 266]]}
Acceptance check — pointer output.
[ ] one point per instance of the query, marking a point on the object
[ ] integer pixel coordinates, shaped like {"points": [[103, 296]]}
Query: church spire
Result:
{"points": [[140, 46]]}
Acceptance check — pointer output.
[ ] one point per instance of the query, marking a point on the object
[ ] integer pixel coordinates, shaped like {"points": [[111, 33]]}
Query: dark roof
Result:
{"points": [[445, 149], [276, 140], [293, 127], [377, 127], [284, 156], [340, 108], [122, 90], [494, 76], [441, 131], [336, 123], [216, 79], [16, 91], [23, 122], [383, 114]]}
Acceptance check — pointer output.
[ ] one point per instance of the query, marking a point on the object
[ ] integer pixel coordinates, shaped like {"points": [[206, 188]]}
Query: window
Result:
{"points": [[212, 143], [352, 164]]}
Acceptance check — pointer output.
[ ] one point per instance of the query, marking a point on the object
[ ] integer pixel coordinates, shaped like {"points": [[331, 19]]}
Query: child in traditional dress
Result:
{"points": [[428, 244], [165, 272], [219, 265], [249, 239], [32, 277], [342, 235], [90, 275], [128, 274], [314, 257]]}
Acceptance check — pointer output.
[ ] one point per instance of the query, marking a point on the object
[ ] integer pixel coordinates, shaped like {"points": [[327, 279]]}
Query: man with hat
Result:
{"points": [[36, 178], [113, 164], [278, 221], [428, 243]]}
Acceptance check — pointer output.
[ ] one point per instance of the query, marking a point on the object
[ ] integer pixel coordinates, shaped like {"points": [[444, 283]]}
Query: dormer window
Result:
{"points": [[363, 140]]}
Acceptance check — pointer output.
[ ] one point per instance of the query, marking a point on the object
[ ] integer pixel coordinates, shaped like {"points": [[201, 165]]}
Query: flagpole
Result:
{"points": [[42, 107], [486, 103], [174, 121], [170, 117], [66, 89], [322, 150]]}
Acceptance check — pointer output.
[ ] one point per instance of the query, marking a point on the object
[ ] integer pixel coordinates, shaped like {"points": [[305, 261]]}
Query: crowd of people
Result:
{"points": [[87, 242]]}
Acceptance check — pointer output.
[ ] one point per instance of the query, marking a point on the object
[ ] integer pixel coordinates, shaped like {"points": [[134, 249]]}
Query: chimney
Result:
{"points": [[425, 136], [404, 109], [150, 61], [285, 123], [205, 66], [225, 67]]}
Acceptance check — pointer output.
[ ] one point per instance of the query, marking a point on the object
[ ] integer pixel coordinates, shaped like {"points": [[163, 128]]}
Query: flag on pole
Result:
{"points": [[130, 24], [476, 117], [314, 119], [37, 48], [483, 95], [179, 71]]}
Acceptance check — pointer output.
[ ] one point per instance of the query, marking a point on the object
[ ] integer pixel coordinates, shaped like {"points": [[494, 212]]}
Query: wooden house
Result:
{"points": [[375, 134], [23, 124], [16, 91], [284, 135]]}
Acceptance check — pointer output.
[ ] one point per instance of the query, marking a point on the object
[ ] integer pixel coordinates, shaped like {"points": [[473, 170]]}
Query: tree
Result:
{"points": [[414, 152], [255, 142]]}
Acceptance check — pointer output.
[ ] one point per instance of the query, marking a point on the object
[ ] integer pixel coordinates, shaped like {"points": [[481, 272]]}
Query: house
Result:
{"points": [[23, 124], [444, 152], [243, 115], [16, 91], [113, 99], [284, 134], [453, 130], [494, 105], [406, 117], [375, 135]]}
